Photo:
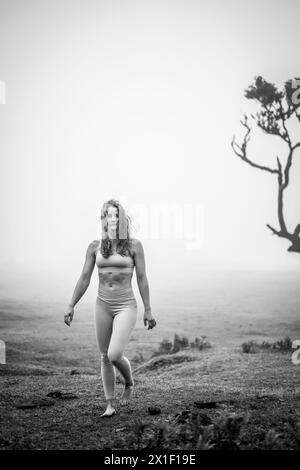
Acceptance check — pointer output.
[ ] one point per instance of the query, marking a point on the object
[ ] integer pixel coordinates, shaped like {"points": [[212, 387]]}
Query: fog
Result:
{"points": [[139, 101]]}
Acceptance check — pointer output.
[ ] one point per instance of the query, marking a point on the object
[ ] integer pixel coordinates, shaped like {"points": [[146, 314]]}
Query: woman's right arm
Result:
{"points": [[83, 281]]}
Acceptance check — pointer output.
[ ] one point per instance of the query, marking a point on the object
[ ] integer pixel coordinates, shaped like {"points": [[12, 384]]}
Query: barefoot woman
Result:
{"points": [[115, 255]]}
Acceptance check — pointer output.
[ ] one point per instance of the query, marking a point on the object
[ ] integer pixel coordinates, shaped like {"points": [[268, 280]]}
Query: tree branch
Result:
{"points": [[297, 231], [241, 150], [286, 135]]}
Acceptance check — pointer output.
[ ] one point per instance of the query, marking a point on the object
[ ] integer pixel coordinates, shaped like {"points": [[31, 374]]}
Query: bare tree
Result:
{"points": [[276, 109]]}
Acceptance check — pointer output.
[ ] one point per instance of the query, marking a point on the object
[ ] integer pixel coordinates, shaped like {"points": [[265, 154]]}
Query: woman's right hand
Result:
{"points": [[68, 317]]}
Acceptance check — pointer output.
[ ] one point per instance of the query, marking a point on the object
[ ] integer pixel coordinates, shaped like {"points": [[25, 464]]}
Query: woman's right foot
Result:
{"points": [[110, 411]]}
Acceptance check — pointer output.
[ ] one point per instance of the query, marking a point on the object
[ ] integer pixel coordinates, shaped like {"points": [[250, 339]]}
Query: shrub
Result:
{"points": [[167, 347], [249, 347], [201, 343], [281, 345]]}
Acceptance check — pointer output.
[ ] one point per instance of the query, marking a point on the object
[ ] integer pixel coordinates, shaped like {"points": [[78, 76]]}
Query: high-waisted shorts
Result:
{"points": [[117, 300]]}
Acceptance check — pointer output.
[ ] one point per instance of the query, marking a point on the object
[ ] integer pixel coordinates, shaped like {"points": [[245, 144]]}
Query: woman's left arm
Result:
{"points": [[142, 281]]}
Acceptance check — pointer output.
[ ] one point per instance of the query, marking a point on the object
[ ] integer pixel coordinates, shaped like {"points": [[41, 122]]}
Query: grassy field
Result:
{"points": [[51, 394]]}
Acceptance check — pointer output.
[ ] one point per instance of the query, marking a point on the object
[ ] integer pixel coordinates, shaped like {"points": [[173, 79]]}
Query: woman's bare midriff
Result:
{"points": [[114, 280]]}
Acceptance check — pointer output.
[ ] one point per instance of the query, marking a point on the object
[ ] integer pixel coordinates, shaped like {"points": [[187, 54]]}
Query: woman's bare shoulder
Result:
{"points": [[135, 240], [135, 243], [93, 246]]}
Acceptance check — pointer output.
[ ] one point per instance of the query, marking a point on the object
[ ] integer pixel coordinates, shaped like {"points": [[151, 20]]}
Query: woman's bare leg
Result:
{"points": [[104, 322], [123, 325]]}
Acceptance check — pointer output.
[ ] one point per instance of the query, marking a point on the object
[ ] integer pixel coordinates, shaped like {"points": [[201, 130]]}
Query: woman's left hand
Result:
{"points": [[148, 317]]}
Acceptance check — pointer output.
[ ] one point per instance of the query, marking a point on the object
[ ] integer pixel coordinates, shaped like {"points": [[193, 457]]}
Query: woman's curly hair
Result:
{"points": [[123, 231]]}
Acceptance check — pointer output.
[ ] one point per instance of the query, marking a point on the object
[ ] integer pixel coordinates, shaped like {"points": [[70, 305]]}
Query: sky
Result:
{"points": [[139, 101]]}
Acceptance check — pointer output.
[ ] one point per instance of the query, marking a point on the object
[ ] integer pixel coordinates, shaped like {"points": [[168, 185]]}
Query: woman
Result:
{"points": [[115, 255]]}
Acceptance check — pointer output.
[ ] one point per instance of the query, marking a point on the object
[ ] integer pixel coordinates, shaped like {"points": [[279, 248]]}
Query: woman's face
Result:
{"points": [[112, 218]]}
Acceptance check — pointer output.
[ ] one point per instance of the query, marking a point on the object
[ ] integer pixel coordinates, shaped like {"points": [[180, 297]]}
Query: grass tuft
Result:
{"points": [[253, 347], [179, 344]]}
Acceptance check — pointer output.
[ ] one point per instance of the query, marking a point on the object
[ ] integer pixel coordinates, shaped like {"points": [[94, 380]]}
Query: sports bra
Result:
{"points": [[114, 263]]}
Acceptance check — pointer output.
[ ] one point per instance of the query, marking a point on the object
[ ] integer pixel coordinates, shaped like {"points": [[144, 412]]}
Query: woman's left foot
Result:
{"points": [[127, 393], [108, 412]]}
